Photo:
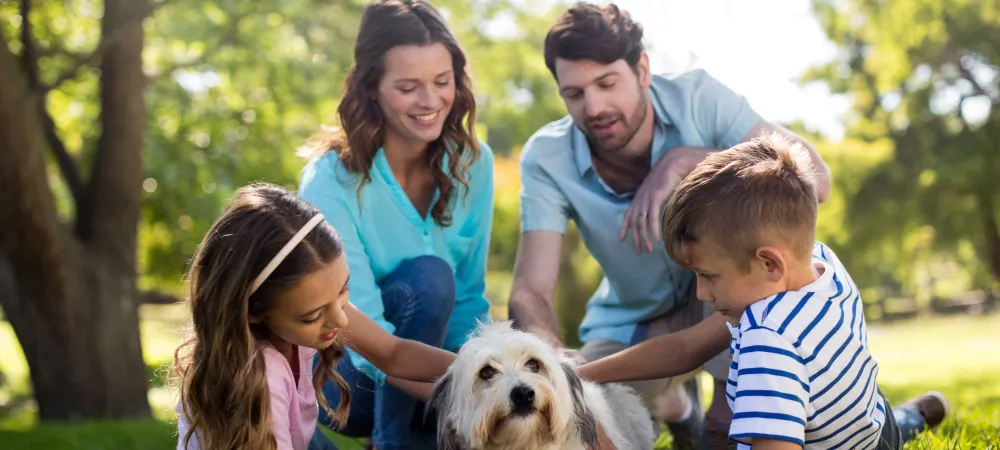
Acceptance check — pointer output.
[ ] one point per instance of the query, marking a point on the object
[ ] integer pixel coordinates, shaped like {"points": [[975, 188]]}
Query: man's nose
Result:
{"points": [[593, 105]]}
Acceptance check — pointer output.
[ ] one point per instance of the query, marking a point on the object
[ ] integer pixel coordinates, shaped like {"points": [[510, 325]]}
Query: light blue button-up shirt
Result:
{"points": [[385, 229], [559, 183]]}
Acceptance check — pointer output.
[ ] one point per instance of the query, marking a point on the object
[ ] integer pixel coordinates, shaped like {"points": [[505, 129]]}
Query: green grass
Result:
{"points": [[959, 356]]}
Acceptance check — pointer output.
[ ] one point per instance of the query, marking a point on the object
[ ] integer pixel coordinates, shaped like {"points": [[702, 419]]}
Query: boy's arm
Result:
{"points": [[664, 356], [774, 444]]}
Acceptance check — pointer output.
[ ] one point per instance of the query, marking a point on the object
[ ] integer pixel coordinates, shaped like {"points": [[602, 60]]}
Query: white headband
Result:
{"points": [[276, 261]]}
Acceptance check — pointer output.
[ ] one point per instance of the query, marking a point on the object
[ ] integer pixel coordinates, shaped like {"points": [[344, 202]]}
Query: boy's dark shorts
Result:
{"points": [[891, 438]]}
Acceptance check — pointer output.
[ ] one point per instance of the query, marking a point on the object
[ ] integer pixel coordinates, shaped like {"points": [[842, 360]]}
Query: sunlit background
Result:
{"points": [[899, 96]]}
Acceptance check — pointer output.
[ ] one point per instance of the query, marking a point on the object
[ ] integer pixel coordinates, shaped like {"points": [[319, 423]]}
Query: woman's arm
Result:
{"points": [[664, 356], [396, 357]]}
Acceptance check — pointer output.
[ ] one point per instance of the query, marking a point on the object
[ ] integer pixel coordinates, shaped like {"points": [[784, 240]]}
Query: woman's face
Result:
{"points": [[416, 92]]}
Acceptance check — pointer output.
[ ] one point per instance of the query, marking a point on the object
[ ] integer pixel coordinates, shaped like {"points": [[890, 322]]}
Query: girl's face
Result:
{"points": [[416, 92], [309, 313]]}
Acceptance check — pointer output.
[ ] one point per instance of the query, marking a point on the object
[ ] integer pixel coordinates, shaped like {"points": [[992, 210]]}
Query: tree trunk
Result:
{"points": [[71, 296], [991, 231]]}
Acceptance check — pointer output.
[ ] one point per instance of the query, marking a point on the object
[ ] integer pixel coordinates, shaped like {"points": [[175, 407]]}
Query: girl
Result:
{"points": [[268, 292], [410, 189]]}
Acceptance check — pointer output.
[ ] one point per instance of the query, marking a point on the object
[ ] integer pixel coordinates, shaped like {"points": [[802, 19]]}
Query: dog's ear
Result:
{"points": [[440, 404], [585, 421]]}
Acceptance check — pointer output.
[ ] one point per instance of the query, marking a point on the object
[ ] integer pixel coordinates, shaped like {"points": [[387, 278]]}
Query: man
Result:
{"points": [[610, 166]]}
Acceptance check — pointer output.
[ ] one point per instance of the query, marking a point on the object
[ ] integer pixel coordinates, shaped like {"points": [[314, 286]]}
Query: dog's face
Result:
{"points": [[509, 388]]}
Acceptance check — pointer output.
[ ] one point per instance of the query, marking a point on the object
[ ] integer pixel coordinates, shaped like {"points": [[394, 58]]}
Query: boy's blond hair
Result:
{"points": [[757, 192]]}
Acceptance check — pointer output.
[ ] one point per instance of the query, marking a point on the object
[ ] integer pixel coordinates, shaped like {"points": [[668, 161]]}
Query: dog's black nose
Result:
{"points": [[522, 396]]}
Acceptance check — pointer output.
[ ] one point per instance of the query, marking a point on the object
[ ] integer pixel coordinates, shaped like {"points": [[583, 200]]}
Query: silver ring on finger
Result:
{"points": [[643, 214]]}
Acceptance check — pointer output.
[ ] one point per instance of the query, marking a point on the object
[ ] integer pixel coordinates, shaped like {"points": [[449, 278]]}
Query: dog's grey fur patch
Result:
{"points": [[584, 418]]}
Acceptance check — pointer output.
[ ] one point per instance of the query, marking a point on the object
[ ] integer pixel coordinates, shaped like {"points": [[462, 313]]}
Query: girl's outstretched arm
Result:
{"points": [[400, 358]]}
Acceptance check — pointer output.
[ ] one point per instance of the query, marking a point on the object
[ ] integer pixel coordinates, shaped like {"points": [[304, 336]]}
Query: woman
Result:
{"points": [[410, 189]]}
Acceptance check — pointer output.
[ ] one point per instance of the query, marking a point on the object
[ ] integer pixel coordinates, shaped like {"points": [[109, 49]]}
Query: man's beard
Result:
{"points": [[616, 143]]}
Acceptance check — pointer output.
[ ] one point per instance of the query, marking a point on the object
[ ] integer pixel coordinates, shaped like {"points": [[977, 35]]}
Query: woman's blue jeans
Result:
{"points": [[419, 297]]}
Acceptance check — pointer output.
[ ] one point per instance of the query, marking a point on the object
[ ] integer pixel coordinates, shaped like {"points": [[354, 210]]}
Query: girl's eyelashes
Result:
{"points": [[312, 320]]}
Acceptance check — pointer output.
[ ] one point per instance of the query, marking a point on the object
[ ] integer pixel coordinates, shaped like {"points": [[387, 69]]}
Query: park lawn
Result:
{"points": [[959, 356]]}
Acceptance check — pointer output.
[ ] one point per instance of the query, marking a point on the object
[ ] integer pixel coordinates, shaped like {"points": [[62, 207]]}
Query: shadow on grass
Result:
{"points": [[117, 435]]}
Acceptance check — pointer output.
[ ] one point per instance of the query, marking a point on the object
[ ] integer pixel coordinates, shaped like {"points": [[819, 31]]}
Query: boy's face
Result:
{"points": [[728, 287]]}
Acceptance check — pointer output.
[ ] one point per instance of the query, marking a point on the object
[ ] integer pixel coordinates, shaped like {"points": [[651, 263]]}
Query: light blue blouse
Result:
{"points": [[385, 229]]}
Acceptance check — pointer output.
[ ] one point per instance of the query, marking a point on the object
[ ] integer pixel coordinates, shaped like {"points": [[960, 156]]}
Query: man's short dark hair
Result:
{"points": [[590, 32]]}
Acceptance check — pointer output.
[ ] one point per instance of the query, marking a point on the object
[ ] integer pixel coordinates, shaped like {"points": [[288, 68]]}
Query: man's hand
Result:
{"points": [[642, 217]]}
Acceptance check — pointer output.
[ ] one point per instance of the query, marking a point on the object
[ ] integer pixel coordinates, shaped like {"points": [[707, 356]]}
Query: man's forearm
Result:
{"points": [[535, 314]]}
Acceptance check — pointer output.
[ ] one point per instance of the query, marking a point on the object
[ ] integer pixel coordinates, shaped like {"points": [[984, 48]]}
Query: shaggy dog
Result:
{"points": [[511, 390]]}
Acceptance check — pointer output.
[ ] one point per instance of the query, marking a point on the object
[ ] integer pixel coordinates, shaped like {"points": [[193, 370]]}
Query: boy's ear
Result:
{"points": [[773, 261]]}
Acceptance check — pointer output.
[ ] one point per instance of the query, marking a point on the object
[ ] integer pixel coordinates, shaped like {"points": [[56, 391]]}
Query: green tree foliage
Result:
{"points": [[919, 170], [229, 90], [243, 84]]}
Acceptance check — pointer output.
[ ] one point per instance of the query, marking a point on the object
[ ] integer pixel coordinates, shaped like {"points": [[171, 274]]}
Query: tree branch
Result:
{"points": [[229, 37], [29, 59], [978, 88], [63, 159], [29, 56], [106, 42]]}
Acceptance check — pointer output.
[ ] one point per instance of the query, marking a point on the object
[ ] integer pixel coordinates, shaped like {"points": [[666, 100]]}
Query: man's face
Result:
{"points": [[608, 102]]}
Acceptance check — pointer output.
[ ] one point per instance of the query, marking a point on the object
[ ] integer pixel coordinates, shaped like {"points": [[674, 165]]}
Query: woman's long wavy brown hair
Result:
{"points": [[386, 24], [220, 368]]}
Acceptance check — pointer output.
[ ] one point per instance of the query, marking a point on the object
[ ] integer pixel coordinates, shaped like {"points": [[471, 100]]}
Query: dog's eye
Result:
{"points": [[487, 372], [532, 365]]}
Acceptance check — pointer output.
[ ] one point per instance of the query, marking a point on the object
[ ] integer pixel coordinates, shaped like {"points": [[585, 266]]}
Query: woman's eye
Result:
{"points": [[312, 320]]}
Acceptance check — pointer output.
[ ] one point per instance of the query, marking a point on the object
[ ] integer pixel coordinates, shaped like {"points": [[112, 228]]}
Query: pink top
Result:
{"points": [[294, 410]]}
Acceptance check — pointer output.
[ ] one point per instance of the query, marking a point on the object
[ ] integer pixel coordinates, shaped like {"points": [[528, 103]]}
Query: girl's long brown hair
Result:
{"points": [[220, 368], [386, 24]]}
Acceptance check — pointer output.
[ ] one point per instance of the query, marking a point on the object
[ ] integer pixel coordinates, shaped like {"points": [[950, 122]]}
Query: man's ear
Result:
{"points": [[642, 70], [773, 262]]}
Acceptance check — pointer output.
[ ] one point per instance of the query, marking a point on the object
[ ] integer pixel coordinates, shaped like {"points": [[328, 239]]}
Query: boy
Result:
{"points": [[744, 221]]}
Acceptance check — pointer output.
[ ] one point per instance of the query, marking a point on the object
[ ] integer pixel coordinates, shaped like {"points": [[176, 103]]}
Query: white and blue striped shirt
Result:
{"points": [[801, 369]]}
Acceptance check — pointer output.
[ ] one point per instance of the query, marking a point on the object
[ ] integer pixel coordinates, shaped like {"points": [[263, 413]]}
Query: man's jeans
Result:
{"points": [[419, 297]]}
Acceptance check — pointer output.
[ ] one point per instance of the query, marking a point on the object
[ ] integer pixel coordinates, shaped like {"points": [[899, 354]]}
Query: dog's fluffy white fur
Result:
{"points": [[509, 389]]}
